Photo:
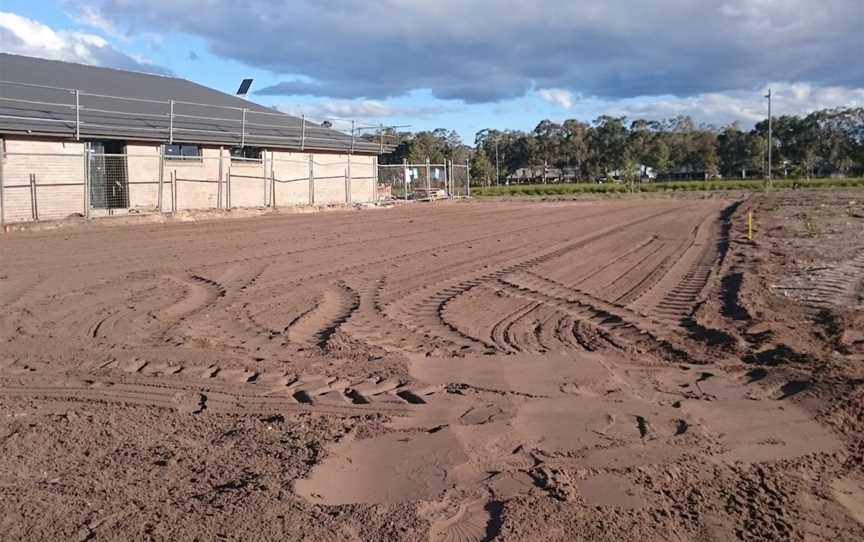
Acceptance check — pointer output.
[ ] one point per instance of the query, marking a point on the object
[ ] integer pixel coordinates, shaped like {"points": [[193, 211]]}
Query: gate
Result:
{"points": [[109, 182]]}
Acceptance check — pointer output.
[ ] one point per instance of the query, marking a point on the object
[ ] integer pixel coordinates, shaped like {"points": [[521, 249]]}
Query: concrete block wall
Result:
{"points": [[329, 171], [362, 178], [291, 170], [142, 172], [249, 182], [59, 170], [196, 181]]}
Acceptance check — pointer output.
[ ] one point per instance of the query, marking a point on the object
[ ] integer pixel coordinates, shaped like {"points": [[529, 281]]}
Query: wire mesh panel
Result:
{"points": [[438, 181], [41, 181], [142, 178], [248, 180], [18, 202], [361, 178], [459, 181], [196, 182], [392, 182], [418, 181], [247, 190], [290, 178], [330, 179], [108, 177]]}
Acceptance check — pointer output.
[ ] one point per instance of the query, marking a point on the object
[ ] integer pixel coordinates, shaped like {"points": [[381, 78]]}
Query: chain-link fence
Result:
{"points": [[423, 181], [38, 182]]}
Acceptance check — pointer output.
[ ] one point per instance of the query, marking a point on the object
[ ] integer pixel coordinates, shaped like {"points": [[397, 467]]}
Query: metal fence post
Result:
{"points": [[2, 202], [468, 177], [77, 116], [86, 155], [348, 181], [161, 178], [302, 131], [219, 183], [264, 174], [352, 136], [272, 181], [428, 180], [375, 178], [311, 181], [171, 123], [243, 130], [447, 178], [405, 177], [34, 204]]}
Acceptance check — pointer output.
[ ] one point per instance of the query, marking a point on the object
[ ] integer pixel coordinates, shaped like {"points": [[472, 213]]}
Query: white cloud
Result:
{"points": [[483, 51], [90, 16], [23, 36], [368, 110], [557, 96], [744, 106]]}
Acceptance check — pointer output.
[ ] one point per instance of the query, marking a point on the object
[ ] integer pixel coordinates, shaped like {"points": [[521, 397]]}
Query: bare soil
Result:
{"points": [[630, 369]]}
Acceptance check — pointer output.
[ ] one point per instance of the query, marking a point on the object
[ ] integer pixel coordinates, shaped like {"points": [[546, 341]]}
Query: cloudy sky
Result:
{"points": [[473, 64]]}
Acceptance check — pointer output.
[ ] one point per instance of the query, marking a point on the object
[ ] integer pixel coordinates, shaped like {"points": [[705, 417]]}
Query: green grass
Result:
{"points": [[672, 186]]}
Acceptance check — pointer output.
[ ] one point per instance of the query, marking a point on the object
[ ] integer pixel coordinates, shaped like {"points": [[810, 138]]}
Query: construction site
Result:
{"points": [[651, 368]]}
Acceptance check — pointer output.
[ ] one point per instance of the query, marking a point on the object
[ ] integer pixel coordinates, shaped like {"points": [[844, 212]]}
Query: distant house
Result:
{"points": [[690, 173], [531, 174], [640, 171]]}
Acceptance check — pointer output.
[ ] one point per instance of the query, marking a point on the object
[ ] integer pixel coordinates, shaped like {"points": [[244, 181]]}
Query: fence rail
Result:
{"points": [[38, 185]]}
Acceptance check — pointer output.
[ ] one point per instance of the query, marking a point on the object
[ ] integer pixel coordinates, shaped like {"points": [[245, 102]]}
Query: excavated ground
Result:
{"points": [[594, 370]]}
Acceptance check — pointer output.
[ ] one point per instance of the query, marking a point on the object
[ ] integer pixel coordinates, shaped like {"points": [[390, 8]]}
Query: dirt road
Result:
{"points": [[474, 371]]}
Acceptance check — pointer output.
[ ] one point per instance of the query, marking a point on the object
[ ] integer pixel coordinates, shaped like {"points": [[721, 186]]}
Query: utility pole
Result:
{"points": [[497, 174], [770, 135]]}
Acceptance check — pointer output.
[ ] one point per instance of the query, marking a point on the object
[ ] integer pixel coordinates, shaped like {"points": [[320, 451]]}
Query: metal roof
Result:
{"points": [[50, 98]]}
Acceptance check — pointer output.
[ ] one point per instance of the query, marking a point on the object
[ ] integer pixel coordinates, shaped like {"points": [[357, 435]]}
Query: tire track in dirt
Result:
{"points": [[604, 322], [368, 323], [426, 315], [316, 326], [229, 391], [674, 297], [376, 263], [839, 285], [455, 340]]}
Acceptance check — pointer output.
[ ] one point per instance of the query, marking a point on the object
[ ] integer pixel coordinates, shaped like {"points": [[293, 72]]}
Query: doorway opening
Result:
{"points": [[109, 185]]}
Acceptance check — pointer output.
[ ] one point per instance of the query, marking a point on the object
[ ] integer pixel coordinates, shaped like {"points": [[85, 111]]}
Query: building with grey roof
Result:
{"points": [[93, 140]]}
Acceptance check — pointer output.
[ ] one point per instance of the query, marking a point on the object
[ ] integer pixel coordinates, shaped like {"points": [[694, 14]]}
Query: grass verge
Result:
{"points": [[672, 186]]}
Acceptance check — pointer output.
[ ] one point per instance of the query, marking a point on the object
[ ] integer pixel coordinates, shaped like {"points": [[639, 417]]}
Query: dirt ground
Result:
{"points": [[590, 370]]}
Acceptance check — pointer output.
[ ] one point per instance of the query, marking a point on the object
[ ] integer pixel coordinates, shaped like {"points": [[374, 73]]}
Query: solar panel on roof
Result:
{"points": [[244, 87]]}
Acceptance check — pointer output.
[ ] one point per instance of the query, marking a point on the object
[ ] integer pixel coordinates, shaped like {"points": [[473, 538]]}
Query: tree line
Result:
{"points": [[823, 143]]}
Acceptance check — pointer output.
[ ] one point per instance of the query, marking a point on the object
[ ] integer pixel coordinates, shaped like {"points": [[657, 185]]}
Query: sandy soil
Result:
{"points": [[606, 370]]}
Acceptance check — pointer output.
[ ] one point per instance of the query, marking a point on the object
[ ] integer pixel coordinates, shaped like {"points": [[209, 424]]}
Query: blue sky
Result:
{"points": [[473, 64]]}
